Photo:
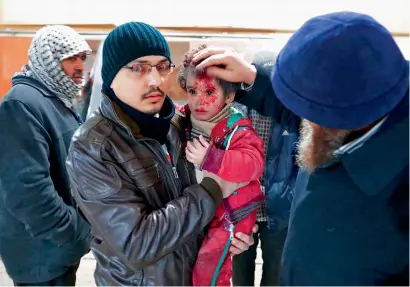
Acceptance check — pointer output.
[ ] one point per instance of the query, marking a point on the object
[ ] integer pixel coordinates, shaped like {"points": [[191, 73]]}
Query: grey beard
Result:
{"points": [[317, 147]]}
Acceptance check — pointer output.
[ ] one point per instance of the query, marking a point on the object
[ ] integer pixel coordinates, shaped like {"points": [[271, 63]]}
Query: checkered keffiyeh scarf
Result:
{"points": [[50, 46]]}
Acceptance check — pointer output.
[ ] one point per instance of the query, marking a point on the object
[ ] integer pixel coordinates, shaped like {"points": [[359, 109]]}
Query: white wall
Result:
{"points": [[283, 14], [275, 14], [249, 47]]}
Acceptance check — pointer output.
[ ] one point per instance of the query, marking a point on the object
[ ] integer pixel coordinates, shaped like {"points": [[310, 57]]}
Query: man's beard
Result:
{"points": [[78, 74], [154, 110], [316, 146]]}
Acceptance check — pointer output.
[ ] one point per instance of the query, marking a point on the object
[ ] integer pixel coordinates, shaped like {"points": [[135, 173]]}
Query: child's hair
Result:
{"points": [[187, 67]]}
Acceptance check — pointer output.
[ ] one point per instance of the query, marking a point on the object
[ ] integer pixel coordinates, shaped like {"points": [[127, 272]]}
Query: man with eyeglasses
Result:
{"points": [[128, 172]]}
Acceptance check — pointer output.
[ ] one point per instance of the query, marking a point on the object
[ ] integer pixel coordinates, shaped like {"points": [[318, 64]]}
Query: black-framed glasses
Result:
{"points": [[142, 69]]}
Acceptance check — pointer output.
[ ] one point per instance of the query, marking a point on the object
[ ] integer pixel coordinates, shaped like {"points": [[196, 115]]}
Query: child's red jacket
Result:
{"points": [[236, 154]]}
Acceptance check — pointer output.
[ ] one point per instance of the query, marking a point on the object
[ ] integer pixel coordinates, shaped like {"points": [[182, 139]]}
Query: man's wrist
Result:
{"points": [[246, 87], [251, 76]]}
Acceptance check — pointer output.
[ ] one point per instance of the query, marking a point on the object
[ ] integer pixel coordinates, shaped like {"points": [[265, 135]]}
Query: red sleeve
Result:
{"points": [[244, 161]]}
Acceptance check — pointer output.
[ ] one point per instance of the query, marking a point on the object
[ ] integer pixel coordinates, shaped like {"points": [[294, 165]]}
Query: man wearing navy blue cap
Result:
{"points": [[343, 82]]}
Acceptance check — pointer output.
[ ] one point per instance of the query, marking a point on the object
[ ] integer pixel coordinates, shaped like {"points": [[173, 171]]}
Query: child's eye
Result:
{"points": [[192, 92], [209, 92]]}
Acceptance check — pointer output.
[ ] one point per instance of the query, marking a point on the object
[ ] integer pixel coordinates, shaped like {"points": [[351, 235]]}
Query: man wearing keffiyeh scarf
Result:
{"points": [[42, 238], [55, 58]]}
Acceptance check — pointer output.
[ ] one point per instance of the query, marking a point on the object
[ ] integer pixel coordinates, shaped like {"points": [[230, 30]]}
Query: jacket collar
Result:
{"points": [[113, 112], [357, 143], [33, 83], [390, 148]]}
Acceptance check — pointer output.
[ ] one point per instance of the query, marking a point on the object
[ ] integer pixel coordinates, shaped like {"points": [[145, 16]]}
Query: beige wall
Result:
{"points": [[13, 55], [178, 49]]}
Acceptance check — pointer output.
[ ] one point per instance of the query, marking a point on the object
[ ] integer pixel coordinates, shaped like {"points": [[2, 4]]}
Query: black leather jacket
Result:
{"points": [[147, 216]]}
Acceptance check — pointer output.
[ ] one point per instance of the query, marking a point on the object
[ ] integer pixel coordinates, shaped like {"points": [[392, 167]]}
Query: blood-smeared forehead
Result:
{"points": [[206, 91], [204, 82]]}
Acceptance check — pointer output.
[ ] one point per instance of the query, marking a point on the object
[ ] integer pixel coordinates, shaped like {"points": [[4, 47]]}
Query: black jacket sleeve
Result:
{"points": [[27, 189]]}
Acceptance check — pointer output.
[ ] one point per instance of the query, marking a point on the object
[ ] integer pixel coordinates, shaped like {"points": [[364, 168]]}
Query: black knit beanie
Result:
{"points": [[128, 42]]}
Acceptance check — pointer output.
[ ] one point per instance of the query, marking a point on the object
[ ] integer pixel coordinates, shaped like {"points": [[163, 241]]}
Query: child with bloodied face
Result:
{"points": [[222, 141]]}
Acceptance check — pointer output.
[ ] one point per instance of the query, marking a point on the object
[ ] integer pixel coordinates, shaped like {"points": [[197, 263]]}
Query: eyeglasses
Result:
{"points": [[163, 69]]}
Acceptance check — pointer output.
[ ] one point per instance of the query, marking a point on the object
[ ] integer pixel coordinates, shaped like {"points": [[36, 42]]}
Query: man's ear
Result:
{"points": [[229, 98]]}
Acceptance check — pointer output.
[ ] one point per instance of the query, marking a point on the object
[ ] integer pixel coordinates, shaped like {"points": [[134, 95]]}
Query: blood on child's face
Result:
{"points": [[205, 96]]}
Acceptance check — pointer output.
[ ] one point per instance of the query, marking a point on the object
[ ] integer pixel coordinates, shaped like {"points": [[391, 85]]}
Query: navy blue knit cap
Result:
{"points": [[341, 70], [128, 42]]}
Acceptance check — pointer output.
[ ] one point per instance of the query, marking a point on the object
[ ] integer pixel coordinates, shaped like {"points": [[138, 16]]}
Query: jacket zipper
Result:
{"points": [[174, 169], [174, 177], [175, 157]]}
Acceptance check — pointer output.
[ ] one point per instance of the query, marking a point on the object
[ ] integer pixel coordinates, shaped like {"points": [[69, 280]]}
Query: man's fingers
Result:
{"points": [[215, 60], [244, 238], [203, 54], [241, 245], [255, 228], [235, 250], [207, 52]]}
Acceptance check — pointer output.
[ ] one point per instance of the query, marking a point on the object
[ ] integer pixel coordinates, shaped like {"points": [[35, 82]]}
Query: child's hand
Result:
{"points": [[196, 150]]}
